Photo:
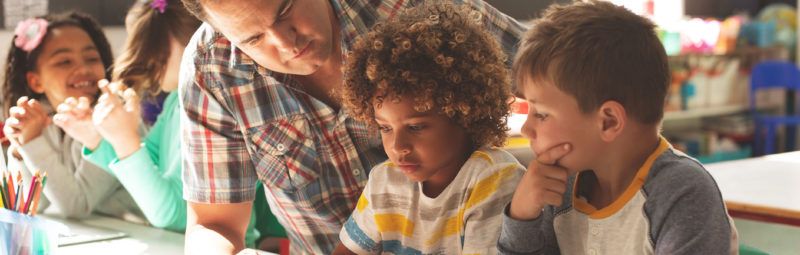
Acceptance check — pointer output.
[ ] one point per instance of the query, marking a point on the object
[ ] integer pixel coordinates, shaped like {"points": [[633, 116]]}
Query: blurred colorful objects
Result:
{"points": [[784, 17]]}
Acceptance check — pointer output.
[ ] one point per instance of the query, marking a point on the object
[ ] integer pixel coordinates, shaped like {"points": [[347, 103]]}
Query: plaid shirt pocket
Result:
{"points": [[286, 156]]}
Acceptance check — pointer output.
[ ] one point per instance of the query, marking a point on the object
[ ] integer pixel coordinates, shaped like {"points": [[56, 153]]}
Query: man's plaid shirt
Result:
{"points": [[243, 123]]}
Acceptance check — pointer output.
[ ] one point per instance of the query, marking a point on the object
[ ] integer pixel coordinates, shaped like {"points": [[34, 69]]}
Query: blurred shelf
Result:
{"points": [[704, 112]]}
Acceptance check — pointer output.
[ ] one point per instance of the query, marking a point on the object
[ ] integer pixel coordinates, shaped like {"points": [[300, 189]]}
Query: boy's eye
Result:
{"points": [[384, 129], [540, 116], [416, 127], [92, 60], [63, 62]]}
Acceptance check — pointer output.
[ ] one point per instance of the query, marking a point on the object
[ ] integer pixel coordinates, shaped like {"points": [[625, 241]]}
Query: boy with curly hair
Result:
{"points": [[434, 84], [595, 76]]}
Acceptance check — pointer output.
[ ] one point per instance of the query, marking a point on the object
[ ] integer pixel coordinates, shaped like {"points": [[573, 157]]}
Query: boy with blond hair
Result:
{"points": [[595, 76]]}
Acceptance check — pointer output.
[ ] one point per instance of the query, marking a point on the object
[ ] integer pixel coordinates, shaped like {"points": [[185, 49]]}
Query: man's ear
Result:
{"points": [[613, 119], [34, 82]]}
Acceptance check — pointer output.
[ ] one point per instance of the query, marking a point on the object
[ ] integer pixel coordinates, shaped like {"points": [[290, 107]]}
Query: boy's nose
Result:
{"points": [[527, 130], [400, 145]]}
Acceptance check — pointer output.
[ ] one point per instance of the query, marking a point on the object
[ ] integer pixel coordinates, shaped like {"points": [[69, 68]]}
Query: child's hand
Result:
{"points": [[544, 183], [75, 118], [117, 119], [26, 121]]}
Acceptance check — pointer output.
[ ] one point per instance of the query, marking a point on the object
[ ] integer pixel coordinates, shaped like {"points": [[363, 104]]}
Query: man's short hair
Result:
{"points": [[597, 52]]}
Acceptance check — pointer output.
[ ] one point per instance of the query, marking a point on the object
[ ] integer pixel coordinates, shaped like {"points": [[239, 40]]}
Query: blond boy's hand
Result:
{"points": [[544, 183], [75, 118], [26, 121], [117, 119]]}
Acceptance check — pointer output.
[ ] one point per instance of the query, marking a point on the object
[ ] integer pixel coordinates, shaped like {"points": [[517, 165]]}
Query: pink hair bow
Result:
{"points": [[160, 5], [29, 33]]}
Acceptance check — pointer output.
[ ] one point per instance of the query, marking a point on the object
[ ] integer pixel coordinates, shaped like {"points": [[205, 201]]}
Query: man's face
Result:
{"points": [[286, 36]]}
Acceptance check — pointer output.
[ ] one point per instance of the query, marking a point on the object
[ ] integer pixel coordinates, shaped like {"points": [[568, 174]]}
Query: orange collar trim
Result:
{"points": [[635, 186]]}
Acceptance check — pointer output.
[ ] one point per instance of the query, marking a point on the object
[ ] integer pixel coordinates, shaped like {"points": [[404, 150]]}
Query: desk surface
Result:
{"points": [[140, 240], [766, 187]]}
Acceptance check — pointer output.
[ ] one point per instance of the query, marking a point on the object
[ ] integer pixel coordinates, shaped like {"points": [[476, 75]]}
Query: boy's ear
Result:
{"points": [[613, 118], [34, 82]]}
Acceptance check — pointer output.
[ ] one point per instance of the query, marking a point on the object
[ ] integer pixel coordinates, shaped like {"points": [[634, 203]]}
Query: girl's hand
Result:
{"points": [[75, 118], [544, 183], [117, 119], [26, 121]]}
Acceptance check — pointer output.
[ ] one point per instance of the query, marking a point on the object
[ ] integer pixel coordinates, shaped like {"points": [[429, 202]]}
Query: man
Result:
{"points": [[256, 86]]}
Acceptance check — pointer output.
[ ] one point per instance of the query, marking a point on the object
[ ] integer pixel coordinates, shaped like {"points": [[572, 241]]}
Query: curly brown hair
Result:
{"points": [[441, 56]]}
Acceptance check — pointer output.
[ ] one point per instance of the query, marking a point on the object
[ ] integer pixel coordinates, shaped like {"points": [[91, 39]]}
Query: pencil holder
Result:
{"points": [[24, 234]]}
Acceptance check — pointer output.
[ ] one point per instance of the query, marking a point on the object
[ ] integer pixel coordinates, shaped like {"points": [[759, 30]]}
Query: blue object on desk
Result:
{"points": [[24, 234], [773, 75]]}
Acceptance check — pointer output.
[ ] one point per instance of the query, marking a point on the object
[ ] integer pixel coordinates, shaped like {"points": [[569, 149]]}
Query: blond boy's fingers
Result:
{"points": [[552, 155], [16, 112], [71, 101], [103, 85], [116, 88], [64, 108], [84, 107], [131, 101], [63, 120], [38, 110], [22, 100], [109, 96]]}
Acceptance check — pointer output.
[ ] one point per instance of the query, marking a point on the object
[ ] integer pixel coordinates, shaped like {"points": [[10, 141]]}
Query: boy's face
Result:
{"points": [[427, 146], [554, 119]]}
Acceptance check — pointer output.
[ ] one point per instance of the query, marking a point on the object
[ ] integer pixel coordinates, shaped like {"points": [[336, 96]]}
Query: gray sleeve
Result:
{"points": [[528, 237], [686, 211], [74, 186]]}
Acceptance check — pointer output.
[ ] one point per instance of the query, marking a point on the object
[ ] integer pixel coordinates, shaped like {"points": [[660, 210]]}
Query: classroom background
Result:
{"points": [[717, 51]]}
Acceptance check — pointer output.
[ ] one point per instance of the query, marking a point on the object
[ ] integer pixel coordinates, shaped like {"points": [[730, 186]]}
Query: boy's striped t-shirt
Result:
{"points": [[394, 216]]}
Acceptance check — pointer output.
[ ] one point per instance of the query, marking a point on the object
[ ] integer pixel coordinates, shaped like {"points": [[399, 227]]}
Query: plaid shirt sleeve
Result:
{"points": [[216, 165], [507, 30]]}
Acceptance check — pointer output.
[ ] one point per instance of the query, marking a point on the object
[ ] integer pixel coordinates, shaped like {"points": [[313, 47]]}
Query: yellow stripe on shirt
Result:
{"points": [[394, 223], [362, 203], [483, 189], [483, 155]]}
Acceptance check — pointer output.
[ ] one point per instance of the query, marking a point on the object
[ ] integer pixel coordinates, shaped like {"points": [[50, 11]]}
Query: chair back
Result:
{"points": [[773, 74]]}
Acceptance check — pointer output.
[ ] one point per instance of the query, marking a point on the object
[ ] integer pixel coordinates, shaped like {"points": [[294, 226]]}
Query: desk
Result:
{"points": [[764, 188], [141, 239]]}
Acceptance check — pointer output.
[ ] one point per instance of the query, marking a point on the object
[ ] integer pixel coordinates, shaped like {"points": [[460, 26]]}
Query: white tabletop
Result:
{"points": [[141, 239], [768, 185]]}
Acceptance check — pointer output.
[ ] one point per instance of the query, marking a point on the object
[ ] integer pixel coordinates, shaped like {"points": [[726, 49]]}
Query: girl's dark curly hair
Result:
{"points": [[19, 62], [440, 55]]}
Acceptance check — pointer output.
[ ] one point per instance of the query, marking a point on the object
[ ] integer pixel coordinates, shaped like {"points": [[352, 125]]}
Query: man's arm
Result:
{"points": [[216, 228]]}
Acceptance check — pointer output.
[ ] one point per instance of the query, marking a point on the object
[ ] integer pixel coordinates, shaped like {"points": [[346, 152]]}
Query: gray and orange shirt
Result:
{"points": [[673, 206]]}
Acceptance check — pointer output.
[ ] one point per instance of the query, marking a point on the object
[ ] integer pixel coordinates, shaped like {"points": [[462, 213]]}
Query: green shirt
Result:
{"points": [[159, 191]]}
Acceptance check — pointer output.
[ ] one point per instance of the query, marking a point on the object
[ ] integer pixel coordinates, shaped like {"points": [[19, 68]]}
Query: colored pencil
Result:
{"points": [[11, 193], [38, 193], [7, 187], [30, 193], [2, 198], [18, 199]]}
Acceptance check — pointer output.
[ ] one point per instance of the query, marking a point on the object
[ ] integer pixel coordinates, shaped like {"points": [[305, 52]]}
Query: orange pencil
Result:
{"points": [[11, 194], [38, 193]]}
